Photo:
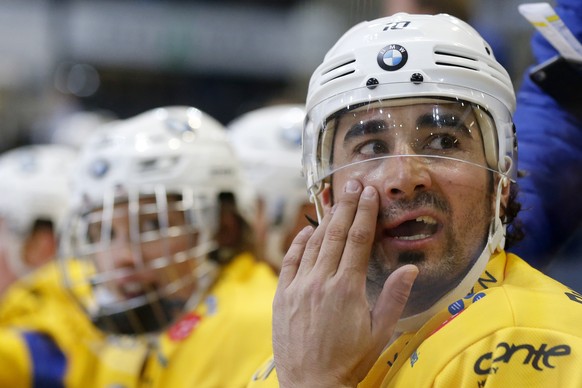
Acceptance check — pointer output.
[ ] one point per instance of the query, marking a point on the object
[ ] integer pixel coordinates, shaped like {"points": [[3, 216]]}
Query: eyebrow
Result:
{"points": [[371, 127], [368, 127], [452, 120]]}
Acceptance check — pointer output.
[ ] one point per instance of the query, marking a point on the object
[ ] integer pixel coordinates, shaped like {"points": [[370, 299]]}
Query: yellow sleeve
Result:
{"points": [[30, 359], [14, 360]]}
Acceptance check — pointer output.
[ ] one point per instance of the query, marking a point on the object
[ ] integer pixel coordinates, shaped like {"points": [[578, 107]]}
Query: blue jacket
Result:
{"points": [[550, 151]]}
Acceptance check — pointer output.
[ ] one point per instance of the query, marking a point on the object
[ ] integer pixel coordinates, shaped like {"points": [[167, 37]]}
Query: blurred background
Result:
{"points": [[68, 65], [60, 60]]}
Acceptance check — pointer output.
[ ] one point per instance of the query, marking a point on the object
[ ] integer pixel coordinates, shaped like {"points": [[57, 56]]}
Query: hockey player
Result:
{"points": [[268, 142], [410, 154]]}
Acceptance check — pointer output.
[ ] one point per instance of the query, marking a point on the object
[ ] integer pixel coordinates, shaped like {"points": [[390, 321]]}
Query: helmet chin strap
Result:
{"points": [[495, 242]]}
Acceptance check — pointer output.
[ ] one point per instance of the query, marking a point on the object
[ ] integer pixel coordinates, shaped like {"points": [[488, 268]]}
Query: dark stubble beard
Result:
{"points": [[433, 281]]}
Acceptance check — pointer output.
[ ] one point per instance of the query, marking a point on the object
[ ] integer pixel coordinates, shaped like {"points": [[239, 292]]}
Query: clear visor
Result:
{"points": [[365, 136], [135, 263]]}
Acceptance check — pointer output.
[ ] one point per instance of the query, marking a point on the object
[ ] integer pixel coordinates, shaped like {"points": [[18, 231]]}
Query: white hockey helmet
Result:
{"points": [[178, 152], [406, 56], [77, 127], [268, 143], [34, 182]]}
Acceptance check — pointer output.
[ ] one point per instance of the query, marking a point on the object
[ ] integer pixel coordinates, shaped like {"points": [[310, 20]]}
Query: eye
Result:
{"points": [[149, 224], [93, 233], [443, 141], [372, 148]]}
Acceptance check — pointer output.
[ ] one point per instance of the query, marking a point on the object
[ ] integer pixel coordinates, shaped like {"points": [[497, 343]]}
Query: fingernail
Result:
{"points": [[369, 192], [410, 276], [352, 186]]}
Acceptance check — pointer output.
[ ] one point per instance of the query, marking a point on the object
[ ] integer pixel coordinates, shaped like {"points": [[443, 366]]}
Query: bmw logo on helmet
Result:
{"points": [[98, 168], [392, 57]]}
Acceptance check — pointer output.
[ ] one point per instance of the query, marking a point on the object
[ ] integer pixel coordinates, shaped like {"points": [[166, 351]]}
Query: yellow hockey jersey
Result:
{"points": [[516, 328], [48, 340]]}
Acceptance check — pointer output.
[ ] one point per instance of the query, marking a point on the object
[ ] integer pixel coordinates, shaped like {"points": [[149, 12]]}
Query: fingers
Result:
{"points": [[336, 240], [361, 234], [391, 302], [344, 237], [314, 245], [292, 259]]}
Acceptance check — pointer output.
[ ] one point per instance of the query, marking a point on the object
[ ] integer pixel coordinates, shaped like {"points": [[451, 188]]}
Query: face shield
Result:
{"points": [[139, 261], [355, 133]]}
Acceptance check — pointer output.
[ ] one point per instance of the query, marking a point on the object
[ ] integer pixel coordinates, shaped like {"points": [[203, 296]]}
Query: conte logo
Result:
{"points": [[392, 57], [525, 354]]}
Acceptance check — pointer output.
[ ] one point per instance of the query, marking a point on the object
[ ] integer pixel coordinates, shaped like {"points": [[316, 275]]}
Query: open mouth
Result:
{"points": [[132, 289], [416, 229]]}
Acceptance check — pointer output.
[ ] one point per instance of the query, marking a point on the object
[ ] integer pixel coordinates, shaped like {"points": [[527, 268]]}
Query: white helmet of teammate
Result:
{"points": [[35, 188], [178, 160], [404, 60], [268, 143], [77, 127]]}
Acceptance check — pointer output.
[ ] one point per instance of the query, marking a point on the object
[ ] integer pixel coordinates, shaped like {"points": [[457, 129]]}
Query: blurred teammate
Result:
{"points": [[33, 205], [75, 128], [157, 301], [268, 142]]}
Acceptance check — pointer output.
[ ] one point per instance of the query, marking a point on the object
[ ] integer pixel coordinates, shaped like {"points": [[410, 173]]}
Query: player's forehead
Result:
{"points": [[406, 114]]}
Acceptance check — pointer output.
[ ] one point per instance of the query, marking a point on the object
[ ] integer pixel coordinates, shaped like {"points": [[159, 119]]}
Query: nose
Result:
{"points": [[120, 253], [404, 176]]}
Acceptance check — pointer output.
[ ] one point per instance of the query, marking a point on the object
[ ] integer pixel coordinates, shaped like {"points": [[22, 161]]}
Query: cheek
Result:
{"points": [[179, 244], [472, 195], [339, 179]]}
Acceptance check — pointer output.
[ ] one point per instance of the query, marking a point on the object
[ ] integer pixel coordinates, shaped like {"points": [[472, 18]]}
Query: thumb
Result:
{"points": [[391, 302]]}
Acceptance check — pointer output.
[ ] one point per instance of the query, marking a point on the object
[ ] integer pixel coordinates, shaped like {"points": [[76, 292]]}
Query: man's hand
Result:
{"points": [[324, 331]]}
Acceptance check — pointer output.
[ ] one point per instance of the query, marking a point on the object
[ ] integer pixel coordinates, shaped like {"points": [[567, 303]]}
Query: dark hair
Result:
{"points": [[514, 232], [244, 237]]}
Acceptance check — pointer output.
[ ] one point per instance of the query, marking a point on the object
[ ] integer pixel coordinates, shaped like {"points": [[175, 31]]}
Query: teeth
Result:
{"points": [[426, 220], [132, 288], [415, 237]]}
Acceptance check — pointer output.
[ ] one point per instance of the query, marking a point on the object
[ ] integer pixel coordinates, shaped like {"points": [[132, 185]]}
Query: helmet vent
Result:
{"points": [[345, 68], [448, 58], [456, 60]]}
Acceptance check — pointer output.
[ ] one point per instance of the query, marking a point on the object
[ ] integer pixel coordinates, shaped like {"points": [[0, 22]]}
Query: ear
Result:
{"points": [[39, 248], [505, 191], [229, 229]]}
